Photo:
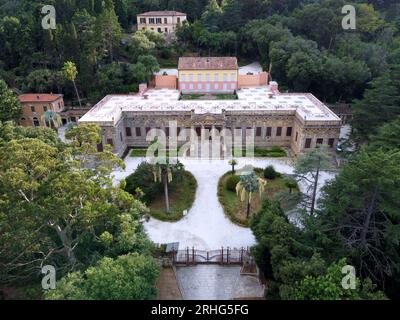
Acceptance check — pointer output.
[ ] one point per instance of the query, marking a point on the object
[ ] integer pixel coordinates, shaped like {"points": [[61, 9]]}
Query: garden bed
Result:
{"points": [[181, 198], [138, 152], [142, 152], [273, 152], [210, 96], [236, 209]]}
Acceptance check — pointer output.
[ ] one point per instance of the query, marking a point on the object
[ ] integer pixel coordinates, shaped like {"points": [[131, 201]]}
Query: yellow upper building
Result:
{"points": [[208, 74], [160, 21]]}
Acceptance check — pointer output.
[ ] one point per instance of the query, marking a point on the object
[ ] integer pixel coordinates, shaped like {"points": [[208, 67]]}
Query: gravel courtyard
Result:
{"points": [[205, 226]]}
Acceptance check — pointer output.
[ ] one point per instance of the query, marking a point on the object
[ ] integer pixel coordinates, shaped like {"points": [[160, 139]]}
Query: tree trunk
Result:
{"points": [[367, 221], [315, 188], [233, 169], [166, 192], [77, 94], [248, 209], [62, 234]]}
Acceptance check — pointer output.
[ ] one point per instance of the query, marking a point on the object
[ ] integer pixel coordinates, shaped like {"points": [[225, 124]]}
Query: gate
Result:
{"points": [[224, 256]]}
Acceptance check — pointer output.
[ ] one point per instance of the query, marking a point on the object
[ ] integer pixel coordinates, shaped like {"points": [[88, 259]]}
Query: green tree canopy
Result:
{"points": [[380, 104], [59, 205], [10, 107], [128, 277], [329, 287], [359, 216]]}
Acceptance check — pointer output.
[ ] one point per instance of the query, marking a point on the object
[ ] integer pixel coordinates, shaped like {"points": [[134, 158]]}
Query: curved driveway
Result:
{"points": [[206, 227]]}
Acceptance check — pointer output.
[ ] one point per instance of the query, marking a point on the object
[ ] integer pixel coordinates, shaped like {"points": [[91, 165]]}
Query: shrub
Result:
{"points": [[291, 184], [128, 277], [232, 182], [270, 173], [143, 178]]}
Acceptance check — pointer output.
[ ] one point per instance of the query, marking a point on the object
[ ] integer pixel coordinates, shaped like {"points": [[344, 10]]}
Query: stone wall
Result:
{"points": [[282, 129], [252, 80], [166, 81]]}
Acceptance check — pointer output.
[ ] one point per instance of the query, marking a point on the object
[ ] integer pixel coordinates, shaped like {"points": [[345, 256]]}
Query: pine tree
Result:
{"points": [[211, 17], [232, 15], [381, 103], [108, 32], [360, 216]]}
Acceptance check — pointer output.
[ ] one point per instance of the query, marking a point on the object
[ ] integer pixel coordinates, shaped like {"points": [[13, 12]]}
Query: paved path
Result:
{"points": [[167, 285], [206, 227], [216, 282]]}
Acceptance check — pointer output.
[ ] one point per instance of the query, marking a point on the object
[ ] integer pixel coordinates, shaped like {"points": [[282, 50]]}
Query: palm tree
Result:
{"points": [[164, 173], [52, 119], [233, 163], [70, 73], [248, 184]]}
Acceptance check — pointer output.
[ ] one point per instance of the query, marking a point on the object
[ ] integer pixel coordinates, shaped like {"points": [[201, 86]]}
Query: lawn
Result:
{"points": [[138, 152], [200, 96], [236, 210], [193, 96], [227, 96], [273, 152], [180, 199], [141, 152]]}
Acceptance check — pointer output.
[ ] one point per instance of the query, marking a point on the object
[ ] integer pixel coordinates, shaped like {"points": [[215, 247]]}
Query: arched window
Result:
{"points": [[36, 122]]}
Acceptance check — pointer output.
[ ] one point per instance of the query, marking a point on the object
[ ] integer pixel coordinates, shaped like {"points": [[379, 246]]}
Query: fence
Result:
{"points": [[192, 256]]}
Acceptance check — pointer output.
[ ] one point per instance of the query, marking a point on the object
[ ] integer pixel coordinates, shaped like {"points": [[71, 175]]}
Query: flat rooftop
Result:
{"points": [[258, 99]]}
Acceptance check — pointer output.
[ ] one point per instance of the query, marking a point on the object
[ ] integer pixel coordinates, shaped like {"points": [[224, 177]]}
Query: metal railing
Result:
{"points": [[223, 256]]}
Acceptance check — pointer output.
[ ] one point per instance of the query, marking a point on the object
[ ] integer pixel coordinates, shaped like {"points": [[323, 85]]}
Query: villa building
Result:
{"points": [[208, 74], [36, 104], [160, 21], [261, 115]]}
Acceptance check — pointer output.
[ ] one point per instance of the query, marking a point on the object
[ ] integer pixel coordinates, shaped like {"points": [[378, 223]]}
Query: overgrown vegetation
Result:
{"points": [[181, 199], [275, 189], [181, 191], [64, 211], [295, 266]]}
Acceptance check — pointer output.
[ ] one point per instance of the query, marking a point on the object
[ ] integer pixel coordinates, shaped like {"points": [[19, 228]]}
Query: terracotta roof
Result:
{"points": [[162, 13], [39, 97], [210, 63]]}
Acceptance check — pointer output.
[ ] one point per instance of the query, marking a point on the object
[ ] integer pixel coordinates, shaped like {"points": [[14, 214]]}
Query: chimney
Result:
{"points": [[273, 85], [142, 88]]}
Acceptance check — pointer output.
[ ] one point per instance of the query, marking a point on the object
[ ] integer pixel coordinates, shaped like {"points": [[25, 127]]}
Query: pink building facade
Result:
{"points": [[208, 75], [207, 87]]}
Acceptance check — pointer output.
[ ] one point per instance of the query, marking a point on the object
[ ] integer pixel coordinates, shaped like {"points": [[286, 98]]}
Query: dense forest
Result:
{"points": [[302, 44]]}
